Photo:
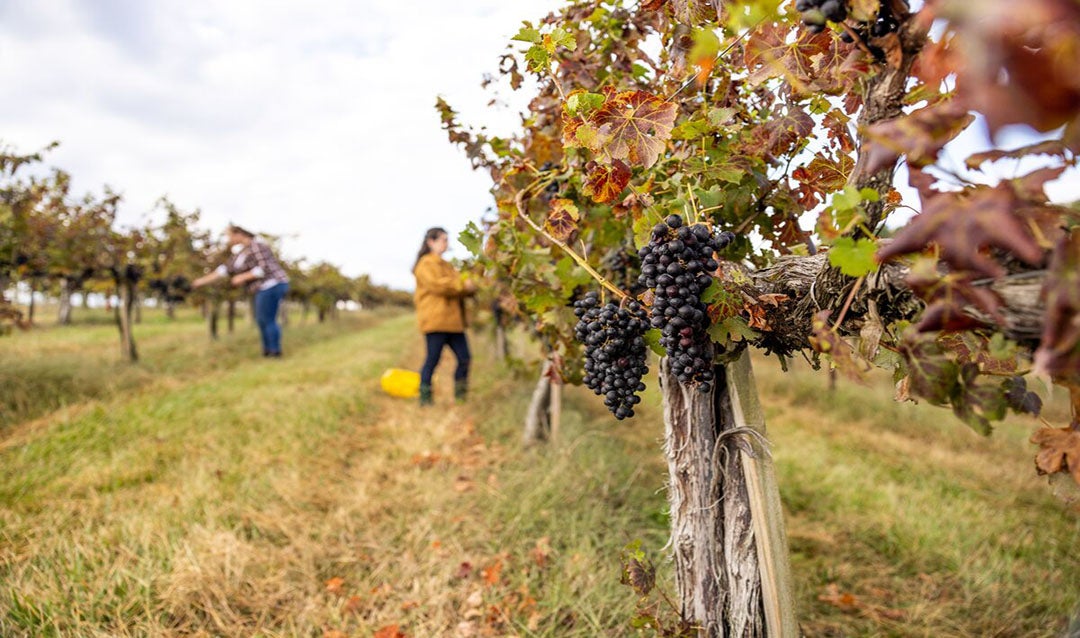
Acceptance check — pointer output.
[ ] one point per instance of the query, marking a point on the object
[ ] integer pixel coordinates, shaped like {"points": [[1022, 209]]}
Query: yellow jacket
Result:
{"points": [[439, 298]]}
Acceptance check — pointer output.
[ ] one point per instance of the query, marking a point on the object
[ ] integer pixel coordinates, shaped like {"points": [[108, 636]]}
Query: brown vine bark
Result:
{"points": [[883, 293], [727, 532]]}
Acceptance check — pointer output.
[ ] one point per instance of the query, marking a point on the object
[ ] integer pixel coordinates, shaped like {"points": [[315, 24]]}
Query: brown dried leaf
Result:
{"points": [[562, 220], [826, 341], [1059, 451]]}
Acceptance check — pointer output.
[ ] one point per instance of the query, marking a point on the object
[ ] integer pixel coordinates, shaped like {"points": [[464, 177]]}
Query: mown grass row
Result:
{"points": [[292, 498]]}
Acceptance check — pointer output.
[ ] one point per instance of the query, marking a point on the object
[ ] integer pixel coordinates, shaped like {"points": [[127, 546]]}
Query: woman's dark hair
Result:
{"points": [[432, 233], [233, 228]]}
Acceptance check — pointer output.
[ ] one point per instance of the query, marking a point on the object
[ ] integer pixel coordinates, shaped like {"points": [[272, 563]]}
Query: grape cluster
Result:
{"points": [[815, 14], [676, 264], [615, 351]]}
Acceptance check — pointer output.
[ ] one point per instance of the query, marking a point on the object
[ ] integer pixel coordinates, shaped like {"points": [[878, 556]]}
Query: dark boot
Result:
{"points": [[461, 388], [426, 397]]}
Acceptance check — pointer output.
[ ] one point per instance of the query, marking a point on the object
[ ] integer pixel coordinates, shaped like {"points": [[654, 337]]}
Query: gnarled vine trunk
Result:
{"points": [[727, 529]]}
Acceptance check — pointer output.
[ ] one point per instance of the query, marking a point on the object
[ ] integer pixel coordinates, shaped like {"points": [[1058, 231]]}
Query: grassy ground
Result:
{"points": [[212, 493]]}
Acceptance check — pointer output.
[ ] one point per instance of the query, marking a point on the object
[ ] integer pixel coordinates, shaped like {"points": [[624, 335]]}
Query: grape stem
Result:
{"points": [[519, 203]]}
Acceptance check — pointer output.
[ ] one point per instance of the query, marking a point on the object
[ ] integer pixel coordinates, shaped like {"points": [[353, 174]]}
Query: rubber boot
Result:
{"points": [[461, 389], [426, 397]]}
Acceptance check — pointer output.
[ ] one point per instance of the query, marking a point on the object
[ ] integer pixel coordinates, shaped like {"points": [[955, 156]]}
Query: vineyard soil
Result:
{"points": [[209, 493]]}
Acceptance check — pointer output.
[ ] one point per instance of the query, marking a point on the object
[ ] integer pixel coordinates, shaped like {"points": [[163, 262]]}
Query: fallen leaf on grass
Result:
{"points": [[390, 631], [463, 484], [334, 633], [844, 601], [541, 552], [334, 585], [352, 605], [492, 573], [464, 570]]}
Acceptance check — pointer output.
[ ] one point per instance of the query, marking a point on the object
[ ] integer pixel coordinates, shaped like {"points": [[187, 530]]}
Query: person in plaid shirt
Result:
{"points": [[255, 266]]}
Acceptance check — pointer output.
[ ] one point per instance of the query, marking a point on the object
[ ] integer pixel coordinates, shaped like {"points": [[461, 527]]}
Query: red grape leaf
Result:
{"points": [[823, 175], [768, 54], [1021, 60], [605, 182], [632, 125], [562, 220], [918, 136], [1059, 451], [963, 224], [1059, 347], [1049, 147], [950, 298]]}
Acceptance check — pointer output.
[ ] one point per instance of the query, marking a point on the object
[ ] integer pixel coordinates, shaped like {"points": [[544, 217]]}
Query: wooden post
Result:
{"points": [[537, 417], [727, 531]]}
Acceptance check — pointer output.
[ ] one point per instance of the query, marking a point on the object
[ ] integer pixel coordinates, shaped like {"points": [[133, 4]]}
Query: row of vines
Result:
{"points": [[59, 245]]}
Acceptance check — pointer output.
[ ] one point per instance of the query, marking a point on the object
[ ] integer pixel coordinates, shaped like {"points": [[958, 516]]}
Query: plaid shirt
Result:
{"points": [[257, 257]]}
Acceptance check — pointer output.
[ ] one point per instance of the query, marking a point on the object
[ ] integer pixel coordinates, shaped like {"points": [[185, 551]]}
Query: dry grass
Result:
{"points": [[291, 498]]}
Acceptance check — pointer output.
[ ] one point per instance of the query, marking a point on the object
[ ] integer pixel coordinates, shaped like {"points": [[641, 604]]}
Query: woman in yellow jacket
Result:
{"points": [[440, 309]]}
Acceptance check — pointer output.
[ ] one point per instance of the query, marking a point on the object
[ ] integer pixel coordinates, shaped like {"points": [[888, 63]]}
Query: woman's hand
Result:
{"points": [[241, 279]]}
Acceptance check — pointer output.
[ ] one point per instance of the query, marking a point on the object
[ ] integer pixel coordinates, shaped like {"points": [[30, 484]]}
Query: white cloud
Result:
{"points": [[314, 121]]}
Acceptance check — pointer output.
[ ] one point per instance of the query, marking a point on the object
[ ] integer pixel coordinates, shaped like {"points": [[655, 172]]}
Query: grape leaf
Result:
{"points": [[919, 136], [950, 298], [562, 220], [1059, 348], [1019, 398], [826, 341], [527, 34], [963, 224], [632, 126], [1059, 451], [693, 11], [854, 258], [1054, 148], [603, 182], [1020, 60]]}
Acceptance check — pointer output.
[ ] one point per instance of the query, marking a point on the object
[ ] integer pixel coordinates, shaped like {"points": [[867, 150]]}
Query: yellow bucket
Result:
{"points": [[401, 383]]}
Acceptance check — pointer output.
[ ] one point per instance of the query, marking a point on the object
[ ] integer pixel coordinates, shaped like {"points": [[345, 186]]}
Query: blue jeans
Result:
{"points": [[266, 309], [436, 341]]}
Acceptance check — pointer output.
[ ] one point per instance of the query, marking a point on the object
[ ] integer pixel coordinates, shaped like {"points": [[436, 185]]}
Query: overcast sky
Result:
{"points": [[314, 121], [311, 120]]}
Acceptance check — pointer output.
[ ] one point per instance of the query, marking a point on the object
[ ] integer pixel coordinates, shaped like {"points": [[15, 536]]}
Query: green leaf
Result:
{"points": [[706, 45], [690, 130], [527, 34], [537, 58], [731, 330], [652, 339], [581, 103], [721, 116], [472, 238], [854, 258], [563, 38]]}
